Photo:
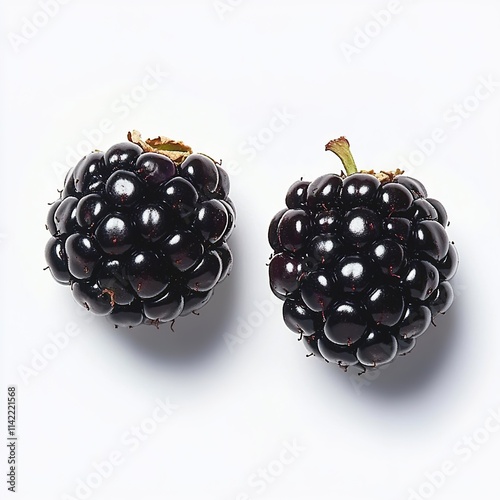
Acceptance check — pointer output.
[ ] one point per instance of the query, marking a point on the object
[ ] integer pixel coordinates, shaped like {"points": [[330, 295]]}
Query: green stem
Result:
{"points": [[341, 148]]}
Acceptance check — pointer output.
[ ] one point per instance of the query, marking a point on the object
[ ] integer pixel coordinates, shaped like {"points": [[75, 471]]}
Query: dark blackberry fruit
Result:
{"points": [[140, 231], [362, 262]]}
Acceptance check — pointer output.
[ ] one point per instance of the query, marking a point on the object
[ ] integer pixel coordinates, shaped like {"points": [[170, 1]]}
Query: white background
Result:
{"points": [[222, 75]]}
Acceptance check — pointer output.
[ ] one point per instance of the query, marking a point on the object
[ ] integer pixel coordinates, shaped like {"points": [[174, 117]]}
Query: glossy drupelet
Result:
{"points": [[141, 238], [361, 264]]}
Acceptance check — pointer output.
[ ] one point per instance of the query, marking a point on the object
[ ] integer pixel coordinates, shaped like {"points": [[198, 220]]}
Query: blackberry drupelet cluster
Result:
{"points": [[140, 231], [362, 263]]}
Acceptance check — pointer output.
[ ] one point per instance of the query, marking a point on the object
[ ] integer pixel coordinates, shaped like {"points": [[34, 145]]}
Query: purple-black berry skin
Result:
{"points": [[139, 238], [363, 267]]}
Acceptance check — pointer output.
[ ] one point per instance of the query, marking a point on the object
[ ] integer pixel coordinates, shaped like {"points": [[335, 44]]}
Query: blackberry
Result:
{"points": [[139, 232], [362, 262]]}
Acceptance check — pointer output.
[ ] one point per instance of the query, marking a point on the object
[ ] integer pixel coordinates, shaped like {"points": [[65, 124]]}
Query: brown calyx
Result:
{"points": [[384, 176], [177, 151]]}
